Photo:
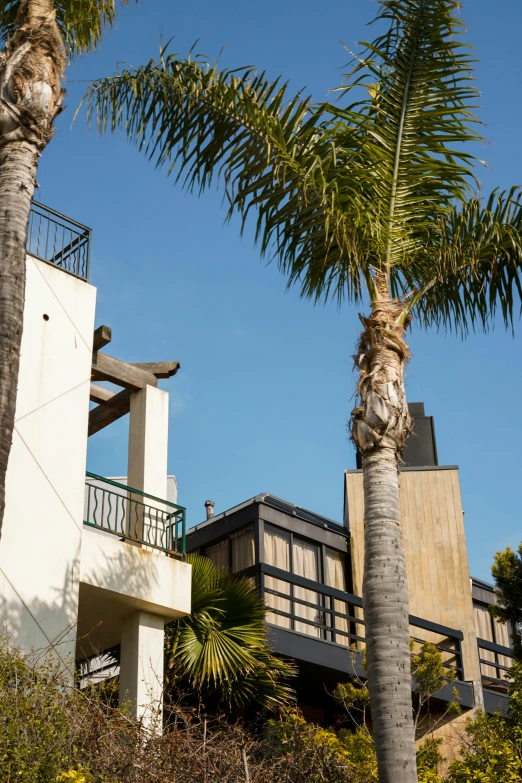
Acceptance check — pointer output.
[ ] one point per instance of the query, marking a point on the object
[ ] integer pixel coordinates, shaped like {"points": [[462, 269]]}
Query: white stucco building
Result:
{"points": [[85, 563]]}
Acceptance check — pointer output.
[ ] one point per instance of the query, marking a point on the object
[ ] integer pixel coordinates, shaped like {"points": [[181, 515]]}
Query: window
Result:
{"points": [[277, 553], [335, 576], [218, 553], [243, 549], [491, 630], [305, 556]]}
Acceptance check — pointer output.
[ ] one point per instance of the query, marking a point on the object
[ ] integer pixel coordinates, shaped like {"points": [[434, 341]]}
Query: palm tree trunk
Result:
{"points": [[18, 162], [32, 66], [380, 426]]}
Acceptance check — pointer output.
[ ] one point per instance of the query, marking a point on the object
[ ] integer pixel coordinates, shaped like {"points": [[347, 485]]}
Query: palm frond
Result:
{"points": [[222, 646], [475, 266], [81, 22], [412, 125], [275, 155]]}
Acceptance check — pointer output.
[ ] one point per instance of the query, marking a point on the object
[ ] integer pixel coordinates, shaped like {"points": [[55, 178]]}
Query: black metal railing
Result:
{"points": [[314, 609], [495, 662], [122, 511], [59, 240]]}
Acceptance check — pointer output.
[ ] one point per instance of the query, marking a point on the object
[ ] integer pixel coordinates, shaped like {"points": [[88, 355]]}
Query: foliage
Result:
{"points": [[33, 714], [430, 676], [81, 22], [492, 749], [376, 187], [222, 646], [52, 732], [507, 573]]}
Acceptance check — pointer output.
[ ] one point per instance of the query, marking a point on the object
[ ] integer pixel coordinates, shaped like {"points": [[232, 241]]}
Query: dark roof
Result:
{"points": [[281, 505]]}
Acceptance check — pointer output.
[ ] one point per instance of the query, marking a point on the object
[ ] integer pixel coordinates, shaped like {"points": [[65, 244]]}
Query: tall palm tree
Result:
{"points": [[222, 647], [373, 199], [37, 38]]}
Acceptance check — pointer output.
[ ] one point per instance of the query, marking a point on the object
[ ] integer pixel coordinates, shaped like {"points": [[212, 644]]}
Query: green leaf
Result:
{"points": [[81, 22]]}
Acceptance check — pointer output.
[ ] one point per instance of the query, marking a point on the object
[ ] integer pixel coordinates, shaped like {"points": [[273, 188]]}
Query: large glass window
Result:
{"points": [[277, 553], [218, 553], [306, 563], [335, 576], [243, 549]]}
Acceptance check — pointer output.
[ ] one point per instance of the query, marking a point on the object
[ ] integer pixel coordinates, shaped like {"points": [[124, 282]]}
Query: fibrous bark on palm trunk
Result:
{"points": [[380, 426], [31, 69]]}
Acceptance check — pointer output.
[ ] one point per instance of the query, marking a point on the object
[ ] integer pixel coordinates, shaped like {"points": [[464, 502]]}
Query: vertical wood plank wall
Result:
{"points": [[435, 550]]}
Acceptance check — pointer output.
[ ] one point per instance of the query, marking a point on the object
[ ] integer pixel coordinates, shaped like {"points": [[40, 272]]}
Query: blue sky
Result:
{"points": [[266, 385]]}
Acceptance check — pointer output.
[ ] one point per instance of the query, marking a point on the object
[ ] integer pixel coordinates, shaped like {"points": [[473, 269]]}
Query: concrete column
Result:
{"points": [[148, 441], [141, 667], [142, 635]]}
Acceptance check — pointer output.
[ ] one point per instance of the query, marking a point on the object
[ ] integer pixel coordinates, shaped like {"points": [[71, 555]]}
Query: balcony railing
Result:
{"points": [[314, 609], [134, 516], [495, 662], [57, 239]]}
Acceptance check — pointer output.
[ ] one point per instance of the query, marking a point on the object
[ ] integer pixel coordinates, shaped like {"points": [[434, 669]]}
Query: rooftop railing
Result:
{"points": [[59, 240], [495, 662], [314, 609], [134, 516]]}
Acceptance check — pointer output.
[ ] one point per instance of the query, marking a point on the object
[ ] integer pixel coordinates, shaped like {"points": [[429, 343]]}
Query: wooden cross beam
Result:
{"points": [[132, 376], [111, 410], [106, 368]]}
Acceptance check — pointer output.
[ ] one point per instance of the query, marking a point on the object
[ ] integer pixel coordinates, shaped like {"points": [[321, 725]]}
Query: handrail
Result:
{"points": [[325, 621], [134, 491], [341, 595], [493, 647], [122, 514], [59, 240]]}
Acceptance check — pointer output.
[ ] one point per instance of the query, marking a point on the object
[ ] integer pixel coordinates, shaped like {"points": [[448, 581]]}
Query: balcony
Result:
{"points": [[316, 623], [134, 516], [301, 563], [59, 240]]}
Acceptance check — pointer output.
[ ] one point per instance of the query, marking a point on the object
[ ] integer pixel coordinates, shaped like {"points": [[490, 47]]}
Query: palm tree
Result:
{"points": [[373, 199], [37, 38], [221, 647]]}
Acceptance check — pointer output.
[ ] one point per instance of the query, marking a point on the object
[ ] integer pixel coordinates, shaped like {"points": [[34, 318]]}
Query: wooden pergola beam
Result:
{"points": [[107, 368], [100, 393], [108, 412], [159, 369], [102, 337]]}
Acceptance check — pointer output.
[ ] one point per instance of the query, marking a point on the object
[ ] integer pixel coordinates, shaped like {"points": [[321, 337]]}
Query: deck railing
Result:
{"points": [[134, 515], [495, 662], [59, 240], [314, 609]]}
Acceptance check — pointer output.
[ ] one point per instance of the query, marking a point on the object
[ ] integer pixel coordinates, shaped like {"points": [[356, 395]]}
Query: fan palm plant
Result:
{"points": [[373, 199], [37, 38], [221, 647]]}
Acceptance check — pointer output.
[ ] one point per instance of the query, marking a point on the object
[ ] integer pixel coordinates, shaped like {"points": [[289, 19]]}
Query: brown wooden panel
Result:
{"points": [[107, 368], [109, 411]]}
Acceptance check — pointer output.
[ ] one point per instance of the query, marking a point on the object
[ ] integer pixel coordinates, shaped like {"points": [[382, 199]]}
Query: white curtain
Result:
{"points": [[243, 549], [218, 554], [484, 630], [277, 553], [306, 563], [503, 637], [335, 577]]}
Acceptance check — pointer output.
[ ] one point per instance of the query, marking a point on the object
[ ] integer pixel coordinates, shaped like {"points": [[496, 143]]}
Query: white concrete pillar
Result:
{"points": [[142, 635], [141, 667], [148, 441]]}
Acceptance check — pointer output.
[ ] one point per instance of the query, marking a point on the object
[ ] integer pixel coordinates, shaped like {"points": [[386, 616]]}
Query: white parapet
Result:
{"points": [[41, 535], [127, 595]]}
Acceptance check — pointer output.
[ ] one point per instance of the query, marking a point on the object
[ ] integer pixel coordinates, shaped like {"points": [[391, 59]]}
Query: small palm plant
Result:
{"points": [[373, 199], [221, 648], [37, 39]]}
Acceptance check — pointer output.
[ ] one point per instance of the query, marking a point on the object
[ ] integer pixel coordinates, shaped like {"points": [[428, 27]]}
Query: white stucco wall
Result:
{"points": [[41, 536]]}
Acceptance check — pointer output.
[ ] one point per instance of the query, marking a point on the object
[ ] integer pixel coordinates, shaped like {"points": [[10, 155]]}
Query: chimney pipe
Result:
{"points": [[209, 506]]}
